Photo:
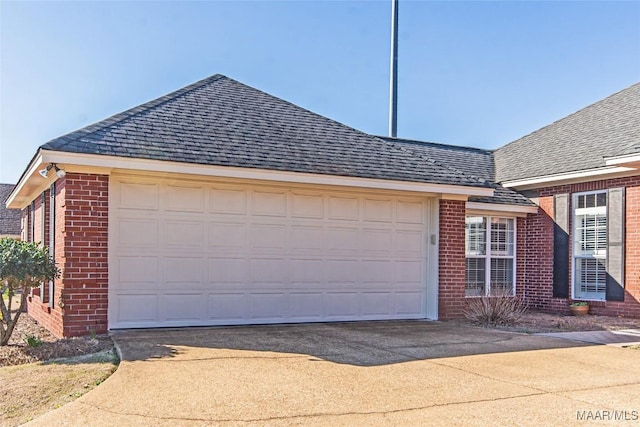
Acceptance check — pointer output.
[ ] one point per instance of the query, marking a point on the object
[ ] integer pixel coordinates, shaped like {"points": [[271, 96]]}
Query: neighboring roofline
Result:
{"points": [[571, 177], [630, 160], [103, 164], [499, 207]]}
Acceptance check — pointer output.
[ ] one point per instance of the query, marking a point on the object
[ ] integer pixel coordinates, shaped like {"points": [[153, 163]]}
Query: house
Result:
{"points": [[584, 173], [9, 218], [219, 204]]}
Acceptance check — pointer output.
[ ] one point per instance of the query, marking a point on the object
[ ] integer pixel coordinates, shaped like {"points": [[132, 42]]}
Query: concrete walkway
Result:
{"points": [[352, 374], [622, 338]]}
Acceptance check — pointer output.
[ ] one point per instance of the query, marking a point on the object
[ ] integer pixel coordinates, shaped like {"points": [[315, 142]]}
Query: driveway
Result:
{"points": [[365, 373]]}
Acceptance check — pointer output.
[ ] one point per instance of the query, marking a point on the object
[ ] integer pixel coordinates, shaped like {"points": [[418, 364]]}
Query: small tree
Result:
{"points": [[23, 265]]}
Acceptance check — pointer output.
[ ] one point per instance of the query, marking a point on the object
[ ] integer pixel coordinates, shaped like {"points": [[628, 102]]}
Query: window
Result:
{"points": [[590, 245], [490, 268]]}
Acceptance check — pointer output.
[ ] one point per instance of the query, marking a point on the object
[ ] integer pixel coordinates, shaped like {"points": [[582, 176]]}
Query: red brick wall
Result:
{"points": [[539, 254], [81, 233], [451, 293]]}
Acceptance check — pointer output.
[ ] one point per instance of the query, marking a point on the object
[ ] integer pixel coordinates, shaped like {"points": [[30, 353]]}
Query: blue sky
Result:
{"points": [[477, 73]]}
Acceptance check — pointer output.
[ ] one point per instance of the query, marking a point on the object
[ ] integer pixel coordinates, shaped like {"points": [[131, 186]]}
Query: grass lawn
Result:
{"points": [[50, 372]]}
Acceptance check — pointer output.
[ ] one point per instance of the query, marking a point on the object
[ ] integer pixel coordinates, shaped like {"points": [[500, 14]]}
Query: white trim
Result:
{"points": [[495, 207], [574, 212], [584, 175], [488, 253], [106, 164], [621, 160]]}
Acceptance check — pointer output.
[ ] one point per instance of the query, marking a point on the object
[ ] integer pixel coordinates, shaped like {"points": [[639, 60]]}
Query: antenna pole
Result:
{"points": [[393, 85]]}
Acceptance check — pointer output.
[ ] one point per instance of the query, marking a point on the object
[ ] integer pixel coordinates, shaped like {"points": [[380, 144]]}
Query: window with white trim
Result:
{"points": [[490, 247], [590, 245]]}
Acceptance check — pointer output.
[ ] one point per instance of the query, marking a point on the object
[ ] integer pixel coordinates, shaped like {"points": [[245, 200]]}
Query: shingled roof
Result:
{"points": [[581, 141], [9, 218], [468, 160], [219, 121]]}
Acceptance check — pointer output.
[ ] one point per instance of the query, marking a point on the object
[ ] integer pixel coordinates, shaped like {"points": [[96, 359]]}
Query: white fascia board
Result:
{"points": [[563, 178], [107, 163], [497, 207], [629, 160], [14, 201]]}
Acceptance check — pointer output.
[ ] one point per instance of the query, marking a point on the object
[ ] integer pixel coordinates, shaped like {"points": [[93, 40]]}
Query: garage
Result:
{"points": [[189, 252]]}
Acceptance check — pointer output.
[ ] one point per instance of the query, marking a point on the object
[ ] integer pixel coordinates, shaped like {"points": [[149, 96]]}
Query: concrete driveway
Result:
{"points": [[367, 373]]}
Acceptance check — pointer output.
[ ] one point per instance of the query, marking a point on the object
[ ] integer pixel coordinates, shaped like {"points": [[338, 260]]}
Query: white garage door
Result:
{"points": [[188, 253]]}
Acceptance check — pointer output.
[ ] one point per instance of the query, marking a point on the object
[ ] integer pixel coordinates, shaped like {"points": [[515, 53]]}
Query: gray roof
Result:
{"points": [[468, 160], [608, 128], [9, 218], [219, 121]]}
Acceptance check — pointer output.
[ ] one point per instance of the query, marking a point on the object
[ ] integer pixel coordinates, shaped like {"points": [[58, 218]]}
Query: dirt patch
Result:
{"points": [[536, 322], [65, 370], [33, 389], [46, 346]]}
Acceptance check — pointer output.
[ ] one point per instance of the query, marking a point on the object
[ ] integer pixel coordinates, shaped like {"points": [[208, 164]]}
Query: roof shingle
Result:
{"points": [[219, 121], [580, 141]]}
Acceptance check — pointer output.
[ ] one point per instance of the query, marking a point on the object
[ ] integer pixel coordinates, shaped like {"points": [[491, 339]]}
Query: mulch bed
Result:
{"points": [[18, 352], [535, 322]]}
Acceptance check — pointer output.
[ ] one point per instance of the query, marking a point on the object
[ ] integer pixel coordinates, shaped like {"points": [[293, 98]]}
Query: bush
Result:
{"points": [[504, 309], [23, 265]]}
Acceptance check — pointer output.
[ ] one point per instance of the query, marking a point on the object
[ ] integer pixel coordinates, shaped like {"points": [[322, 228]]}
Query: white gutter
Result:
{"points": [[497, 207], [78, 162], [584, 175]]}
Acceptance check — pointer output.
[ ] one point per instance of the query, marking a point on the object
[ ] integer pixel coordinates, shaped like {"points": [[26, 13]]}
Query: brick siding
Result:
{"points": [[451, 293], [81, 237], [538, 278]]}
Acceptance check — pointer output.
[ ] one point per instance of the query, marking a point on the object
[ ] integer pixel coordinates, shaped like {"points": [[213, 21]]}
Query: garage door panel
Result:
{"points": [[342, 240], [184, 234], [409, 303], [307, 305], [139, 196], [227, 270], [227, 306], [307, 206], [183, 271], [184, 198], [307, 239], [378, 210], [269, 306], [227, 236], [136, 272], [376, 303], [410, 212], [268, 237], [269, 203], [307, 271], [215, 254], [269, 270], [137, 308], [228, 201], [142, 232], [342, 305], [183, 306], [344, 208]]}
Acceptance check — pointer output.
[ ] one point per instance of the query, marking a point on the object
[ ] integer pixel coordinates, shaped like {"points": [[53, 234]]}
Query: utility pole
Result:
{"points": [[393, 85]]}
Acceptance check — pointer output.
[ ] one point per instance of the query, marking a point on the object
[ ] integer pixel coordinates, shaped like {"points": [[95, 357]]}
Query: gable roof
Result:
{"points": [[468, 160], [9, 218], [580, 141], [219, 121]]}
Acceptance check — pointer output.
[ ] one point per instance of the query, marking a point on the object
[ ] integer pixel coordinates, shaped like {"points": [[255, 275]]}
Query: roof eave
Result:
{"points": [[586, 175], [31, 184]]}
